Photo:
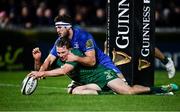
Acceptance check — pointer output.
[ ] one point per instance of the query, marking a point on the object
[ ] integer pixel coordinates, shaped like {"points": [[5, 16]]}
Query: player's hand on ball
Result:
{"points": [[36, 75], [36, 53]]}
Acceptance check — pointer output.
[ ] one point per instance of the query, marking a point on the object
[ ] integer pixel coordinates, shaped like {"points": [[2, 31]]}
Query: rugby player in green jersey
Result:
{"points": [[94, 79]]}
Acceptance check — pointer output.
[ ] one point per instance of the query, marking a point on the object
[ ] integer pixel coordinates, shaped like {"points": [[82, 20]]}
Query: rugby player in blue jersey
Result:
{"points": [[81, 40]]}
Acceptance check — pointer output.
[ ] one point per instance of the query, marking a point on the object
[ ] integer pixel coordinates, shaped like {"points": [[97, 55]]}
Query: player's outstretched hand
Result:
{"points": [[36, 74]]}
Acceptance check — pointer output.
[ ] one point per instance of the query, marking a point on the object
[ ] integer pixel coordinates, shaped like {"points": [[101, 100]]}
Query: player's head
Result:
{"points": [[63, 24], [62, 47], [63, 18]]}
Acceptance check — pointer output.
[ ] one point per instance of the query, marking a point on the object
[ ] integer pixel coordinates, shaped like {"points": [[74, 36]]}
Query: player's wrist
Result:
{"points": [[37, 61], [44, 73], [77, 58]]}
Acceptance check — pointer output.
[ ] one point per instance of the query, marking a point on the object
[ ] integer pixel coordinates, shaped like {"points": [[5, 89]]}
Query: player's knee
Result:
{"points": [[75, 91]]}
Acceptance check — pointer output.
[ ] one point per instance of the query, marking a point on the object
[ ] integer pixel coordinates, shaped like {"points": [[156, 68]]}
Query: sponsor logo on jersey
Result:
{"points": [[76, 45], [89, 43]]}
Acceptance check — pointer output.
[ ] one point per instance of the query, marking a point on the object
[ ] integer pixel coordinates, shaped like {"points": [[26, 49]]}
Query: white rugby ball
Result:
{"points": [[28, 85]]}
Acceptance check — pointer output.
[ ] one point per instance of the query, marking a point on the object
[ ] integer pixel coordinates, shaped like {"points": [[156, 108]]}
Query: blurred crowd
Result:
{"points": [[167, 13], [38, 13]]}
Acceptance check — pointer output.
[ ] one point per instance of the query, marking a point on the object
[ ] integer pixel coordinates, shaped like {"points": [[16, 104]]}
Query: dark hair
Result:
{"points": [[63, 18], [63, 41]]}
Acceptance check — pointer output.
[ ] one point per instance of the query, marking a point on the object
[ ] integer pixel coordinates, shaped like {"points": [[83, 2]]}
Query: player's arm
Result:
{"points": [[48, 62], [66, 68], [88, 60], [37, 65], [88, 46], [37, 58]]}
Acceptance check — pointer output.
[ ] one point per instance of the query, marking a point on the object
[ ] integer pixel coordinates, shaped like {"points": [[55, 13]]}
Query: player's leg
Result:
{"points": [[122, 78], [120, 87], [87, 89], [168, 63], [159, 55]]}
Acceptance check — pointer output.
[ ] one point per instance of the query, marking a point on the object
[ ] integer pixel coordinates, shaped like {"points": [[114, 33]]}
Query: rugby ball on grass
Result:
{"points": [[28, 85]]}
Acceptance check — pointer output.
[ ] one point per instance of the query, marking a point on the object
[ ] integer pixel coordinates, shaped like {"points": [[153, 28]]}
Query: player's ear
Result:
{"points": [[68, 28]]}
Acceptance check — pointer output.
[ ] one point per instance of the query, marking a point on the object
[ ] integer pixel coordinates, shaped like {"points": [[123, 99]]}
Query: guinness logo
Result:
{"points": [[120, 58], [143, 64]]}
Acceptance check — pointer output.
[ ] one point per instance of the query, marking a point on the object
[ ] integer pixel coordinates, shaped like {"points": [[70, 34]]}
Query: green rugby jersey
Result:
{"points": [[84, 74]]}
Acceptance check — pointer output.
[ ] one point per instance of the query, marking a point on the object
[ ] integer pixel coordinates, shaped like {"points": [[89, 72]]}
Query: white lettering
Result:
{"points": [[122, 39]]}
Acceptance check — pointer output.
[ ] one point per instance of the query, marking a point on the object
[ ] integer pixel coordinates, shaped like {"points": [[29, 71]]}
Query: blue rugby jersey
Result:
{"points": [[84, 41]]}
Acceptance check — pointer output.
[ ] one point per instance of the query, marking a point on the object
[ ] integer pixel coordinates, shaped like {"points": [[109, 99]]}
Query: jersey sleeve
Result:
{"points": [[87, 42], [53, 50]]}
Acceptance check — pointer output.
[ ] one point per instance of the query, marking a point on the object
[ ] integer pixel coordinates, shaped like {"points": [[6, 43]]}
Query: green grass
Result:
{"points": [[51, 95]]}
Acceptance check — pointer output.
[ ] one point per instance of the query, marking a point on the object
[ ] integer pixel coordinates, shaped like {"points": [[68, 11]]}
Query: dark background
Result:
{"points": [[35, 27]]}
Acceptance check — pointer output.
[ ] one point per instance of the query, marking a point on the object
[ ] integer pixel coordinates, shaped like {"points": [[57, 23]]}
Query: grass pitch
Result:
{"points": [[51, 95]]}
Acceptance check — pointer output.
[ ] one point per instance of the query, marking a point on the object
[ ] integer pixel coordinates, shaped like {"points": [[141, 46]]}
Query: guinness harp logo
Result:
{"points": [[120, 58], [143, 64]]}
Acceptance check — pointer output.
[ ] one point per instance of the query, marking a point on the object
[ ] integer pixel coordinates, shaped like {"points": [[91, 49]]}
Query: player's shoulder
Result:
{"points": [[78, 29], [81, 32]]}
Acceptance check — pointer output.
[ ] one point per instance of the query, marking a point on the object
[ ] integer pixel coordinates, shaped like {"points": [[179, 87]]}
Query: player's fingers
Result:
{"points": [[40, 78], [34, 77], [32, 74], [29, 74], [35, 50]]}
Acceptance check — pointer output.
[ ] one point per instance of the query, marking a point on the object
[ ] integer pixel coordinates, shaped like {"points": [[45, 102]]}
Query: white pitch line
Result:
{"points": [[44, 87]]}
